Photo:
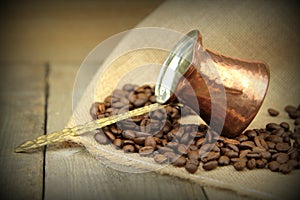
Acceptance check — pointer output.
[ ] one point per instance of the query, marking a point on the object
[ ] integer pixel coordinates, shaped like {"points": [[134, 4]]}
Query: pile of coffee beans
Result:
{"points": [[160, 135]]}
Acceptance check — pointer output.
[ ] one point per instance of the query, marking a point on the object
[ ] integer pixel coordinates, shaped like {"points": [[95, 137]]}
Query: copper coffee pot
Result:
{"points": [[226, 92]]}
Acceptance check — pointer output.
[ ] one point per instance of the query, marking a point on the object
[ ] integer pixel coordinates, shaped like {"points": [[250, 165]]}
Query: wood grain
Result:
{"points": [[22, 117], [71, 173]]}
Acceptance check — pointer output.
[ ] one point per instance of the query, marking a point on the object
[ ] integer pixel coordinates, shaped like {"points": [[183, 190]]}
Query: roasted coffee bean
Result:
{"points": [[285, 125], [211, 156], [232, 154], [101, 138], [271, 145], [231, 141], [190, 167], [224, 150], [128, 148], [150, 141], [233, 147], [242, 138], [182, 149], [193, 155], [282, 147], [285, 168], [293, 163], [146, 150], [257, 150], [171, 156], [224, 160], [244, 153], [274, 166], [193, 147], [128, 134], [290, 108], [294, 114], [118, 142], [159, 158], [253, 155], [263, 143], [278, 132], [260, 164], [266, 155], [139, 140], [297, 121], [272, 126], [128, 142], [210, 165], [282, 158], [200, 142], [233, 160], [128, 87], [247, 145], [251, 164], [274, 138], [250, 133], [273, 112], [139, 102], [239, 166], [180, 162], [109, 135]]}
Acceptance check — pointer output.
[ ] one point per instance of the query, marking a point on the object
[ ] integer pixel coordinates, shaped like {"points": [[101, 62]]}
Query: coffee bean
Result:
{"points": [[247, 145], [128, 134], [190, 167], [139, 102], [282, 147], [118, 142], [271, 145], [272, 126], [180, 162], [293, 163], [239, 166], [274, 166], [128, 148], [244, 153], [257, 142], [274, 138], [171, 156], [282, 158], [242, 138], [231, 141], [233, 147], [200, 142], [294, 114], [251, 164], [146, 150], [210, 165], [139, 140], [279, 132], [193, 155], [290, 108], [211, 156], [232, 154], [285, 168], [182, 149], [273, 112], [263, 143], [233, 160], [159, 158], [297, 121], [250, 133], [101, 138], [260, 164], [253, 155], [266, 155], [150, 141], [285, 125], [224, 160], [109, 135]]}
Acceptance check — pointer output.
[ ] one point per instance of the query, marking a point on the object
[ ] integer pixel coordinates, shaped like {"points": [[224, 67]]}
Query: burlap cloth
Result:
{"points": [[257, 30]]}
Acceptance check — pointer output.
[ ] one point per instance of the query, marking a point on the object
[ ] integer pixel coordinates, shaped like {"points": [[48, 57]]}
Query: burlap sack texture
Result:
{"points": [[257, 30]]}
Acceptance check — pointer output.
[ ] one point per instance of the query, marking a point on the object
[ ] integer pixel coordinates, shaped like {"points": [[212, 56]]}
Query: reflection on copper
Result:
{"points": [[245, 84]]}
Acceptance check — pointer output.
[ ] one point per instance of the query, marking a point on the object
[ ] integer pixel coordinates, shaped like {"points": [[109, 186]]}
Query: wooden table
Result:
{"points": [[36, 99]]}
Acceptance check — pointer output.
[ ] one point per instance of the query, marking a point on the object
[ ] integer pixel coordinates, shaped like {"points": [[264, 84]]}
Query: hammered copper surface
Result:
{"points": [[245, 84]]}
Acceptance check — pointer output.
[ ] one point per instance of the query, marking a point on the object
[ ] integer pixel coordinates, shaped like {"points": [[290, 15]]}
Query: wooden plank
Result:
{"points": [[64, 30], [71, 173], [22, 118]]}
